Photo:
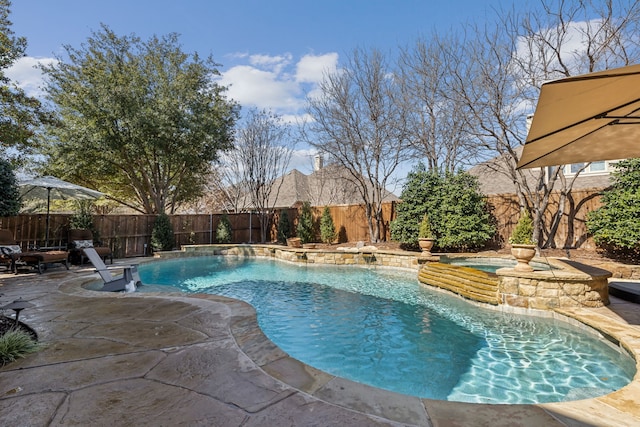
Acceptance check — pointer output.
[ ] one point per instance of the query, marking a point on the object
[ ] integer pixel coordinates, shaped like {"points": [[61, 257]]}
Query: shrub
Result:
{"points": [[523, 232], [82, 218], [16, 344], [284, 226], [224, 233], [162, 237], [615, 226], [327, 228], [458, 214], [9, 193], [425, 228], [305, 224]]}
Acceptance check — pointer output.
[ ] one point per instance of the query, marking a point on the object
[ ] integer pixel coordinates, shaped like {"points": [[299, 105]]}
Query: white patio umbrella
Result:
{"points": [[49, 187]]}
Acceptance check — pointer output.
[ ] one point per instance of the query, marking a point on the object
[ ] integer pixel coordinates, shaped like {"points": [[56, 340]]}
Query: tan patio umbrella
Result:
{"points": [[586, 118], [49, 187]]}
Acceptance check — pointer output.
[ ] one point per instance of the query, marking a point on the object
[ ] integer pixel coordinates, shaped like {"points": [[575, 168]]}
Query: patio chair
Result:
{"points": [[9, 250], [127, 282], [13, 255], [78, 239]]}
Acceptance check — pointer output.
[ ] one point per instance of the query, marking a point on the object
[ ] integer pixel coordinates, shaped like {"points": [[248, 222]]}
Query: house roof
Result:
{"points": [[331, 185], [493, 181]]}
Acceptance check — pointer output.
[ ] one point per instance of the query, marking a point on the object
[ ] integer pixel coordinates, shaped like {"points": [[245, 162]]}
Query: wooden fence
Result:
{"points": [[130, 235]]}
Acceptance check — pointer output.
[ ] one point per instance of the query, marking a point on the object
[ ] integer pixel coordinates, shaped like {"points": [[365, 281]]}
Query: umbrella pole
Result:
{"points": [[46, 234]]}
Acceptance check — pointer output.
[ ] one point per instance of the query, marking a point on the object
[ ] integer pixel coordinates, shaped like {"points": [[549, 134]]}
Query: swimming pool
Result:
{"points": [[381, 327], [489, 264]]}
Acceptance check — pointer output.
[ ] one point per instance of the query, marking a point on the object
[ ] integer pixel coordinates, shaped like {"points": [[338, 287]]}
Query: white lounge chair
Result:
{"points": [[128, 281]]}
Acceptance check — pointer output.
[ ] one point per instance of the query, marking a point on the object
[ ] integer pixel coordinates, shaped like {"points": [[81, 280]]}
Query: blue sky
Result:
{"points": [[272, 53]]}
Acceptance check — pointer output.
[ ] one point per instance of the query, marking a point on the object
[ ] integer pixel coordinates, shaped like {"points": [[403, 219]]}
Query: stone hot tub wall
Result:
{"points": [[572, 284]]}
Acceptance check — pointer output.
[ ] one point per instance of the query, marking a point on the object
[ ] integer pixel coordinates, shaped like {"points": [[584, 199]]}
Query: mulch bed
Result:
{"points": [[8, 323]]}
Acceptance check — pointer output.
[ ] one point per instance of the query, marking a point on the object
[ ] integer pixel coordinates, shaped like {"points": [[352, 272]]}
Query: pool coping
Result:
{"points": [[621, 407]]}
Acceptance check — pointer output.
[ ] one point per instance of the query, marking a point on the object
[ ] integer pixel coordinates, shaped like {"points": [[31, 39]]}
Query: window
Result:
{"points": [[597, 166], [575, 168]]}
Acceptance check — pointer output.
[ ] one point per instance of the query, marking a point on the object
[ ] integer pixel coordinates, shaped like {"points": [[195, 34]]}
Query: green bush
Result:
{"points": [[284, 226], [16, 344], [224, 233], [305, 224], [615, 226], [523, 232], [162, 237], [425, 228], [458, 214], [327, 227], [9, 193]]}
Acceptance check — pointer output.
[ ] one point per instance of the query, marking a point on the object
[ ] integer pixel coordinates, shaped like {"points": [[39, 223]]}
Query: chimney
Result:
{"points": [[317, 162]]}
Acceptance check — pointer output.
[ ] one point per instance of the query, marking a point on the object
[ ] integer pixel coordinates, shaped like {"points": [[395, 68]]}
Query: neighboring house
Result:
{"points": [[492, 181], [330, 185]]}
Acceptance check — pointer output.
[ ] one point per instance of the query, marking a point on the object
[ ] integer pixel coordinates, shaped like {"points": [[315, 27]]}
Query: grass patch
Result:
{"points": [[16, 344]]}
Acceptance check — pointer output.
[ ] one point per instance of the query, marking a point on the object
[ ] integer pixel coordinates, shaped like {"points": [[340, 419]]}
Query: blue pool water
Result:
{"points": [[381, 327]]}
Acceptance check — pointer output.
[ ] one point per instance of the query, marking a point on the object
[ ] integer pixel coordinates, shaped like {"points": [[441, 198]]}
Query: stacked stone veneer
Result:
{"points": [[570, 284], [351, 256]]}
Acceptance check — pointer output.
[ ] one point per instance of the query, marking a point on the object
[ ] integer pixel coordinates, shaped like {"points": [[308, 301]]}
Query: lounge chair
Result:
{"points": [[12, 254], [79, 239], [128, 281]]}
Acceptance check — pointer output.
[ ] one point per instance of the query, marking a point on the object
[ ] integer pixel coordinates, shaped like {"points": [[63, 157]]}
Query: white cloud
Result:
{"points": [[29, 78], [275, 82], [312, 68]]}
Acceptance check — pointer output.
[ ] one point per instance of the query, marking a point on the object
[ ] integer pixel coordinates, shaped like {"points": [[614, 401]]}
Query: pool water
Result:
{"points": [[381, 327]]}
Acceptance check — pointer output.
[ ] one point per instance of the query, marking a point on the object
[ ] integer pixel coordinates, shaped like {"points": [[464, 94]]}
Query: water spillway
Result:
{"points": [[465, 281]]}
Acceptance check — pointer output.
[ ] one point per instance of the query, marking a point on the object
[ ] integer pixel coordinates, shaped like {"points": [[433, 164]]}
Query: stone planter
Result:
{"points": [[426, 245], [523, 254]]}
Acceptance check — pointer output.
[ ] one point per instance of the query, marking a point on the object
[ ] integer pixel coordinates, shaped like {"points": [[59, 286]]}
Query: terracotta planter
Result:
{"points": [[426, 245], [294, 242], [523, 254]]}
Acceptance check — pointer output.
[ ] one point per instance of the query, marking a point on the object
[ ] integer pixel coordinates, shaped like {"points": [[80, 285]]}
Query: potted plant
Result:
{"points": [[425, 236], [523, 247]]}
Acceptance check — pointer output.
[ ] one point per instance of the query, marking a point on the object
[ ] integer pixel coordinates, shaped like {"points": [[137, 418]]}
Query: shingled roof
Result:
{"points": [[493, 182], [331, 185]]}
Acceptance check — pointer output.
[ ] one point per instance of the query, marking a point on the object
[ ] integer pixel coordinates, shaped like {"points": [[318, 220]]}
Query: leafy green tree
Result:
{"points": [[327, 227], [9, 194], [305, 224], [20, 114], [458, 214], [141, 121], [224, 233], [162, 237], [284, 226], [616, 224]]}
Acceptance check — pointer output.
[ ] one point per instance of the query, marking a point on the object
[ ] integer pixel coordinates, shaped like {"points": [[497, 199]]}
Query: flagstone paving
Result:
{"points": [[169, 359]]}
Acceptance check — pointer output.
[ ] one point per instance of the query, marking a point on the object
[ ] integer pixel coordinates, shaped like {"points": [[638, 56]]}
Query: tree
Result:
{"points": [[304, 230], [616, 224], [20, 115], [357, 121], [224, 233], [263, 151], [501, 67], [9, 193], [141, 121], [327, 228], [284, 226], [162, 237], [435, 118]]}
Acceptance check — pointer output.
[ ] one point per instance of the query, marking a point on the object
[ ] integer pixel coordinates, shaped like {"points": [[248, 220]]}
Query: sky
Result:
{"points": [[272, 53]]}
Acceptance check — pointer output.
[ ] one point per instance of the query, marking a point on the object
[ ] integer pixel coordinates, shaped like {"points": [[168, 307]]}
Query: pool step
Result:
{"points": [[465, 281]]}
